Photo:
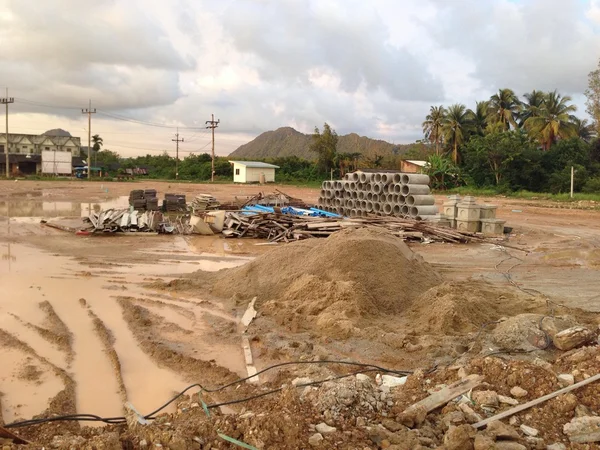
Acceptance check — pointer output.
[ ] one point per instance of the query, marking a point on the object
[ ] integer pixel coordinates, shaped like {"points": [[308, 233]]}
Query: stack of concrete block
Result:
{"points": [[467, 215], [380, 193]]}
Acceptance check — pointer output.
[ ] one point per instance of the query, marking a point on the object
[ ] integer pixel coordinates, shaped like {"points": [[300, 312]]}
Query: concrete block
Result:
{"points": [[487, 211], [468, 211], [492, 226], [450, 210], [472, 226]]}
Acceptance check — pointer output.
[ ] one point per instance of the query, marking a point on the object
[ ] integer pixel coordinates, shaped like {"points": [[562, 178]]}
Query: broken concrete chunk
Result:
{"points": [[572, 337], [518, 391], [413, 416], [323, 428], [582, 411], [529, 431], [315, 439], [470, 415], [483, 442], [391, 381], [566, 379], [535, 443], [500, 430], [508, 400], [301, 381], [509, 445], [557, 446], [583, 429], [486, 398], [459, 438]]}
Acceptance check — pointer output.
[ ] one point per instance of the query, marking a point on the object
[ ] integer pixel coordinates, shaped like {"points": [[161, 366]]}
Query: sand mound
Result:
{"points": [[332, 283]]}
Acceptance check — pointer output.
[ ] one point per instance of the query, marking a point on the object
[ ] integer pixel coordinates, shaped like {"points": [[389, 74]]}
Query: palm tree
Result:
{"points": [[455, 127], [98, 142], [504, 107], [479, 117], [584, 129], [554, 120], [531, 107], [432, 127]]}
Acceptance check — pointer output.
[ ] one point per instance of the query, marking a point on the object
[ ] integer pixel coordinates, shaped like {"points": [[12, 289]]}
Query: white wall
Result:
{"points": [[56, 162], [253, 174], [241, 178]]}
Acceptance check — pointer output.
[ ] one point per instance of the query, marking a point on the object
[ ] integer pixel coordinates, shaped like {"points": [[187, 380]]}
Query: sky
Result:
{"points": [[369, 67]]}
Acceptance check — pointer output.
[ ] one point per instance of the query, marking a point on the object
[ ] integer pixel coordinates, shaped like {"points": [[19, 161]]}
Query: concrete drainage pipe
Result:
{"points": [[387, 208], [397, 178], [415, 189], [376, 188], [414, 178], [397, 210], [414, 200], [423, 210], [377, 178]]}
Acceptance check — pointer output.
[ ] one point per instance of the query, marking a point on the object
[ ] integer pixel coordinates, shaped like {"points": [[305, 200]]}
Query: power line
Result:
{"points": [[141, 122], [89, 113], [177, 141], [6, 101], [212, 126]]}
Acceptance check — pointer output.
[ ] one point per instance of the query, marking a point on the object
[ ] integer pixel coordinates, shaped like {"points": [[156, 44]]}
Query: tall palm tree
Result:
{"points": [[534, 101], [584, 129], [456, 126], [432, 127], [504, 107], [554, 120], [479, 117]]}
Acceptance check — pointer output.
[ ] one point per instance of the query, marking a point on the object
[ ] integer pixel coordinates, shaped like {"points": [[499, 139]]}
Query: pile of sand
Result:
{"points": [[329, 285]]}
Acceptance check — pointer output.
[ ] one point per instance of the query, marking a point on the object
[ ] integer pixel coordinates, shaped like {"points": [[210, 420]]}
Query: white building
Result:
{"points": [[34, 144], [253, 172]]}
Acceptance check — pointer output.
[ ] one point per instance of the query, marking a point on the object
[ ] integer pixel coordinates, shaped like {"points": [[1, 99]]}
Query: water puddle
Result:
{"points": [[38, 208]]}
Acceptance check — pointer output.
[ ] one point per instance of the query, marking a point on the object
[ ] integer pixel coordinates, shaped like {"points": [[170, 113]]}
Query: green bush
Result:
{"points": [[592, 186]]}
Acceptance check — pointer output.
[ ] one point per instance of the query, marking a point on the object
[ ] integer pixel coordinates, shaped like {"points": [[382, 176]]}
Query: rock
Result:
{"points": [[557, 446], [518, 391], [565, 403], [582, 411], [583, 429], [500, 430], [483, 442], [361, 422], [535, 443], [297, 381], [413, 416], [470, 415], [392, 425], [391, 381], [572, 337], [143, 443], [566, 379], [509, 445], [315, 439], [529, 431], [486, 398], [459, 438], [514, 421], [462, 373], [324, 428], [361, 377], [508, 400]]}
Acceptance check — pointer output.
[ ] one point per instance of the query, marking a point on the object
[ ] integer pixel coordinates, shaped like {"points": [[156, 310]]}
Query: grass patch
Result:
{"points": [[525, 195]]}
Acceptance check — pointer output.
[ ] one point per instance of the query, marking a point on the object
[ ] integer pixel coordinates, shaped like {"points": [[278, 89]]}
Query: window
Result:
{"points": [[24, 147], [47, 148], [2, 148], [237, 171]]}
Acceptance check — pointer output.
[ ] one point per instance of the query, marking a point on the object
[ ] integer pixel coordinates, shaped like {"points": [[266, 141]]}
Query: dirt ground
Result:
{"points": [[87, 323]]}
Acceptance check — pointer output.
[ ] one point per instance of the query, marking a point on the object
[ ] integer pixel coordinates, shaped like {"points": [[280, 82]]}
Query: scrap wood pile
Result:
{"points": [[204, 202], [277, 227], [130, 220], [277, 198]]}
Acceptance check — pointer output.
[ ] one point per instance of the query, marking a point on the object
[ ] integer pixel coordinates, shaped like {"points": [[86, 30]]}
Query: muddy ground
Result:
{"points": [[81, 330]]}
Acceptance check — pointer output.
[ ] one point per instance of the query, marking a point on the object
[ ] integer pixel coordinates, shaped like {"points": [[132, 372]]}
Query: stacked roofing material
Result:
{"points": [[204, 202], [151, 199], [174, 202], [127, 220], [382, 193], [137, 199]]}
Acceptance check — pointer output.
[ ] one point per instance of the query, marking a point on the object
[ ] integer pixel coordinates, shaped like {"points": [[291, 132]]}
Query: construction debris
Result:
{"points": [[128, 220], [285, 227], [204, 202]]}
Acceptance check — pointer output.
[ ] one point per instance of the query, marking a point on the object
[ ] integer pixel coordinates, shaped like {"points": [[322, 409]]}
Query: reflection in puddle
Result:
{"points": [[27, 207]]}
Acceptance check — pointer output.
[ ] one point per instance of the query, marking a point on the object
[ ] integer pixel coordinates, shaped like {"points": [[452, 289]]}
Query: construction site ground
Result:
{"points": [[88, 323]]}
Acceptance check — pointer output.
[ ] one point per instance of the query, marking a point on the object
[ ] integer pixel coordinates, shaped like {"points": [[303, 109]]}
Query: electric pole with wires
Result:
{"points": [[212, 126], [89, 113], [6, 101], [177, 141]]}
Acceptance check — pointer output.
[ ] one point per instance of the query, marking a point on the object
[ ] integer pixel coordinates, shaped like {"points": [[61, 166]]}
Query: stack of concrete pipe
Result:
{"points": [[381, 193]]}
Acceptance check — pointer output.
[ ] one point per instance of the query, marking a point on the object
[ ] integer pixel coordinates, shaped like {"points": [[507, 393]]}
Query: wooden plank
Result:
{"points": [[448, 393], [537, 401]]}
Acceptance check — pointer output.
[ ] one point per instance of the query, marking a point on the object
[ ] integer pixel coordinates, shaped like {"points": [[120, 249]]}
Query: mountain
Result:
{"points": [[286, 141]]}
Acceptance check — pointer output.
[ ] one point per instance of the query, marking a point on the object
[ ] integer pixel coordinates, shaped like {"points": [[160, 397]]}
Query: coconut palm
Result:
{"points": [[455, 127], [584, 129], [432, 127], [554, 120], [504, 107], [479, 117], [534, 101]]}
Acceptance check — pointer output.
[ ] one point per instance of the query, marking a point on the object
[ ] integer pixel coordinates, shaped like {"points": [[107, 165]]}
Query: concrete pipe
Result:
{"points": [[349, 203], [376, 188], [369, 196], [354, 177], [423, 210], [363, 205], [401, 199], [325, 185], [360, 186], [338, 194], [414, 178], [405, 210], [414, 200], [338, 202], [365, 177], [382, 198], [386, 178], [346, 186], [387, 208], [415, 189], [369, 206], [347, 177], [395, 198], [354, 195], [397, 188], [391, 198], [397, 210], [353, 212], [329, 193], [376, 207], [352, 185], [376, 178], [361, 195], [386, 188], [323, 193], [397, 178], [426, 217]]}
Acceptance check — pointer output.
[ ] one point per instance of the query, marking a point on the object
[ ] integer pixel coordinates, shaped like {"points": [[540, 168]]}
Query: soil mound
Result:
{"points": [[330, 283]]}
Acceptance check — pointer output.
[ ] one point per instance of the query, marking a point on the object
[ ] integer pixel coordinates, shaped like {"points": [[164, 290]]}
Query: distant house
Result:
{"points": [[413, 166], [253, 172]]}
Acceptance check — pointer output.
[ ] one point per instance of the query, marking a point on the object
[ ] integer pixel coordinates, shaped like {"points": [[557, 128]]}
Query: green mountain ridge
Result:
{"points": [[287, 141]]}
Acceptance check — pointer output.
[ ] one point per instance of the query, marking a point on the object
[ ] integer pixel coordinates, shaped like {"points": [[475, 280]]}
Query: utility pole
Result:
{"points": [[572, 179], [6, 101], [212, 126], [89, 113], [177, 141]]}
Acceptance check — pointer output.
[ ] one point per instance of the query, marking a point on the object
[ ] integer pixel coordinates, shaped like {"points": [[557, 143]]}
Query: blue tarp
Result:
{"points": [[312, 212]]}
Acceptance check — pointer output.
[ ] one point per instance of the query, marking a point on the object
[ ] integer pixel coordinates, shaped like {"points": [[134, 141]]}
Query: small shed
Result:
{"points": [[413, 166], [253, 172]]}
